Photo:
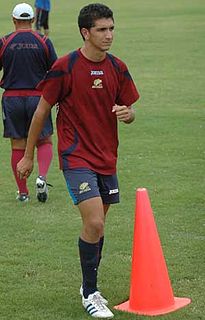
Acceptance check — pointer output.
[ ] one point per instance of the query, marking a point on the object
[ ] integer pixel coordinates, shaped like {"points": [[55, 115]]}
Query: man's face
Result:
{"points": [[101, 35]]}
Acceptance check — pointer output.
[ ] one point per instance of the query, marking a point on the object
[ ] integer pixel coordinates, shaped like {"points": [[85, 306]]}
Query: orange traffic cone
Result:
{"points": [[150, 292]]}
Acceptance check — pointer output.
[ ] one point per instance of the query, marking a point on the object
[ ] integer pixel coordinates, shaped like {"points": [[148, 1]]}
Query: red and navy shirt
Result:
{"points": [[86, 92], [25, 57]]}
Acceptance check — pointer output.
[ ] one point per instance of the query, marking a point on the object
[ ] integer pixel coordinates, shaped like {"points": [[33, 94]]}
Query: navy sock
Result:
{"points": [[89, 256], [101, 242]]}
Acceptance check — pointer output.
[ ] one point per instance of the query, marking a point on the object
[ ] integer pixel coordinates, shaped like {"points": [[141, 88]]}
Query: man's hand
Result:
{"points": [[124, 113], [24, 168]]}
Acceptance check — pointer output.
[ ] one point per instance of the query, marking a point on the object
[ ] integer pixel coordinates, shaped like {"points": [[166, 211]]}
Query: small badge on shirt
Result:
{"points": [[97, 84]]}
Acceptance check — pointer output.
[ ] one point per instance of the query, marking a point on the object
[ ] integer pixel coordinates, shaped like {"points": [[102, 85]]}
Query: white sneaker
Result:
{"points": [[41, 189], [103, 300], [95, 307]]}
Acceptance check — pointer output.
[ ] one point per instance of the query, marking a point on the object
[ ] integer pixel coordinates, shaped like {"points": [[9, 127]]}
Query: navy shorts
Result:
{"points": [[83, 184], [17, 116]]}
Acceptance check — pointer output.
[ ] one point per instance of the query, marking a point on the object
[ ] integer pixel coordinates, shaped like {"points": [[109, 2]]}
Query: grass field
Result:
{"points": [[163, 44]]}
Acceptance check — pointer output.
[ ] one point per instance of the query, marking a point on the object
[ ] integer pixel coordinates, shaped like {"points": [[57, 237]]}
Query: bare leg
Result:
{"points": [[93, 218]]}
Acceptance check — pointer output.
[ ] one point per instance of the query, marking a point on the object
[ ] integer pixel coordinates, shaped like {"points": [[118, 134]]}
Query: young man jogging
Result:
{"points": [[94, 90]]}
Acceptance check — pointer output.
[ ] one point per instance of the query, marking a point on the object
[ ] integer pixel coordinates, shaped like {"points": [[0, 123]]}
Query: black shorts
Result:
{"points": [[83, 184], [42, 19], [17, 113]]}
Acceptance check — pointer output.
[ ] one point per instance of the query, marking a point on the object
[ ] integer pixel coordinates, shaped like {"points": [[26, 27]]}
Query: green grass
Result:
{"points": [[163, 44]]}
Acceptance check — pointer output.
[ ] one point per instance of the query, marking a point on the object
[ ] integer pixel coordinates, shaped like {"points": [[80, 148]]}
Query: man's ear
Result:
{"points": [[85, 33]]}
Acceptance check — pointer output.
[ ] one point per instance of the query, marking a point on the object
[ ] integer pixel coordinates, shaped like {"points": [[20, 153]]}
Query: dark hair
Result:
{"points": [[92, 12]]}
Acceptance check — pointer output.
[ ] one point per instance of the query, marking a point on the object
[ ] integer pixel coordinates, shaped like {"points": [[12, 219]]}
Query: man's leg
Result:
{"points": [[92, 214], [44, 155], [101, 241], [44, 158], [17, 152], [38, 19], [83, 187], [44, 22]]}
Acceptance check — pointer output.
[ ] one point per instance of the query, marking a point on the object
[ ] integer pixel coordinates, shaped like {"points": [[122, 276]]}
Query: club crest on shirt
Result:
{"points": [[84, 187], [97, 84]]}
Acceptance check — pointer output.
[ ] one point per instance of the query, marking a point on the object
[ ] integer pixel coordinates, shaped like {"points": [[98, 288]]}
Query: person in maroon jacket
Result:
{"points": [[25, 57], [94, 90]]}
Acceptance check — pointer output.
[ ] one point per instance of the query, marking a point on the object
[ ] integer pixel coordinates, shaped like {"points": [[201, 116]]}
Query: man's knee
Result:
{"points": [[94, 227], [44, 140]]}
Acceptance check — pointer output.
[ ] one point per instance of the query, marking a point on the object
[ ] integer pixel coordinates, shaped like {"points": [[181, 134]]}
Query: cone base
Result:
{"points": [[178, 303]]}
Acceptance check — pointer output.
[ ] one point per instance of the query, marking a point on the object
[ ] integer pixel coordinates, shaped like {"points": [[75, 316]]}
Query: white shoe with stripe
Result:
{"points": [[103, 300], [94, 306]]}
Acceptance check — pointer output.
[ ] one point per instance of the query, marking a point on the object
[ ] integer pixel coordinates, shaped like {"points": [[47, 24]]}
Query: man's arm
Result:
{"points": [[25, 166], [124, 113]]}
